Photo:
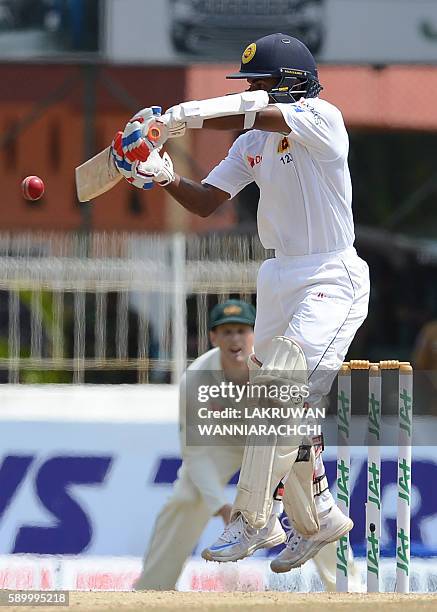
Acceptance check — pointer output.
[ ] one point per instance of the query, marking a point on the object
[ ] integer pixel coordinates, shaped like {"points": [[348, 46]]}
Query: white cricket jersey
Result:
{"points": [[305, 204], [210, 371], [210, 360]]}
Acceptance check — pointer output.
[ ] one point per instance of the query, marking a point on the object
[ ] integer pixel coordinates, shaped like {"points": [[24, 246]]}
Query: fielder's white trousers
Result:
{"points": [[183, 518]]}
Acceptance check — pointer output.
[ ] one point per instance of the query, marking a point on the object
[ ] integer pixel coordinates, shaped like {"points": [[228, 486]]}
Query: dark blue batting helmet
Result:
{"points": [[284, 57]]}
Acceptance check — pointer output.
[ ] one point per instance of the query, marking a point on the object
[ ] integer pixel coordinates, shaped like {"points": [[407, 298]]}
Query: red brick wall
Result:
{"points": [[52, 146]]}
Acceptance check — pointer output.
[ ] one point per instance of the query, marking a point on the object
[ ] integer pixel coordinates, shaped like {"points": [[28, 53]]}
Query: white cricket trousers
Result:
{"points": [[317, 300]]}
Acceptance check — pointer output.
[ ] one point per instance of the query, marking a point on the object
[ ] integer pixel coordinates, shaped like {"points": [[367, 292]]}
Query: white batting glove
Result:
{"points": [[157, 168], [176, 128], [126, 167], [143, 133]]}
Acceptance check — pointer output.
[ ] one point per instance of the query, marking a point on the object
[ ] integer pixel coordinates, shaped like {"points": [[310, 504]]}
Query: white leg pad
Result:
{"points": [[261, 470], [265, 465], [298, 496]]}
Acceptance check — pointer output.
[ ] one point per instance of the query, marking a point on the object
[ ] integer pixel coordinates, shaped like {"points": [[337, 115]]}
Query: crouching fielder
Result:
{"points": [[312, 296], [199, 492]]}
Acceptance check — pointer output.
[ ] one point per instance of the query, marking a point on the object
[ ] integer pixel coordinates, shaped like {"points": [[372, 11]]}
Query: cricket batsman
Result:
{"points": [[311, 297], [199, 491]]}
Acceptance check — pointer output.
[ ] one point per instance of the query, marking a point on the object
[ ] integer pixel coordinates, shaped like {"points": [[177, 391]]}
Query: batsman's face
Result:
{"points": [[265, 84], [234, 340]]}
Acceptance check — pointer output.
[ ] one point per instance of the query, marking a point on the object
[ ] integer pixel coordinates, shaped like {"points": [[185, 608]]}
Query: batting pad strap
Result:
{"points": [[319, 444], [320, 485], [194, 113]]}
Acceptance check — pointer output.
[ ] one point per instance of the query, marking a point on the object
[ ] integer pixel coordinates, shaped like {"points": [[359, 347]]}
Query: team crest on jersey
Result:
{"points": [[248, 53], [284, 145], [253, 161]]}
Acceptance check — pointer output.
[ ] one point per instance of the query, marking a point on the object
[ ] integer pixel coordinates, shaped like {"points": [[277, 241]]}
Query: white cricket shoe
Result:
{"points": [[239, 540], [333, 525]]}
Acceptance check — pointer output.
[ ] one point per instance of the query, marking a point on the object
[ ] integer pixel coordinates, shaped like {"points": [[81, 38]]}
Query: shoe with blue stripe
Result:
{"points": [[240, 540], [333, 525]]}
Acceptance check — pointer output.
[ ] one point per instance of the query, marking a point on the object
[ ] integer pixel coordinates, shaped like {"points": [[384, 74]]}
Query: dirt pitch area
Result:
{"points": [[246, 602]]}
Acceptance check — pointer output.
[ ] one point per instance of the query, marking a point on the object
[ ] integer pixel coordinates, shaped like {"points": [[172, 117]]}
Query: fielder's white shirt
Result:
{"points": [[305, 204], [201, 461]]}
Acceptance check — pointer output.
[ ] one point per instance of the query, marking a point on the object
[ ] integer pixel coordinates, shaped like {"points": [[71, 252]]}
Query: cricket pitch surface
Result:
{"points": [[267, 601]]}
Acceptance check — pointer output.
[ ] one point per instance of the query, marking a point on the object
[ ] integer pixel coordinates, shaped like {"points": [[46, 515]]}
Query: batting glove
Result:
{"points": [[125, 167], [143, 133], [157, 168], [176, 128]]}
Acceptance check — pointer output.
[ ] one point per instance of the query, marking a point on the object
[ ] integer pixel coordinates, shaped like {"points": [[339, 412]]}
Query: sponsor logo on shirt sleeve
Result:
{"points": [[253, 161], [304, 106]]}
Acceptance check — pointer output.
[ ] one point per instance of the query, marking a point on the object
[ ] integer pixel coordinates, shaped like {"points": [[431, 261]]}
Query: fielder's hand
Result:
{"points": [[143, 133], [225, 512], [157, 168]]}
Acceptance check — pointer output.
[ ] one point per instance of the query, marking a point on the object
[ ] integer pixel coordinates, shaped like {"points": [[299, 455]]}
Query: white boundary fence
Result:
{"points": [[76, 303]]}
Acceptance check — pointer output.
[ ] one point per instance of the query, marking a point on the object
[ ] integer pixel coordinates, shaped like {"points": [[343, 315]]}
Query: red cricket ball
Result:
{"points": [[32, 187]]}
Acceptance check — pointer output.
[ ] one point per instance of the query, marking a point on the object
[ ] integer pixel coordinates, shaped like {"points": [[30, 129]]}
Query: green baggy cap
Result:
{"points": [[232, 311]]}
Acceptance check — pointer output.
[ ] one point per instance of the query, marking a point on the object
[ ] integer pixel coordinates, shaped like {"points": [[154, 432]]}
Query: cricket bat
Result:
{"points": [[99, 174], [96, 176]]}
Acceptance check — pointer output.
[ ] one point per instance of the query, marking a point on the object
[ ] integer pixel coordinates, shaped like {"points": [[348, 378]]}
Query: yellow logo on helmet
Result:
{"points": [[248, 53]]}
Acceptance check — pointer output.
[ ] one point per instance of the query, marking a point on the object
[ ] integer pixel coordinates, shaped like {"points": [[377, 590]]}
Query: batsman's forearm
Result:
{"points": [[193, 196], [269, 119], [235, 122]]}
